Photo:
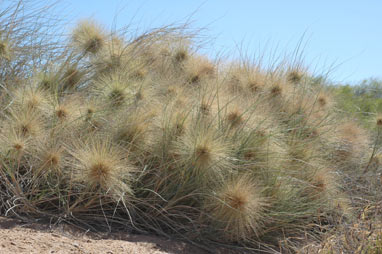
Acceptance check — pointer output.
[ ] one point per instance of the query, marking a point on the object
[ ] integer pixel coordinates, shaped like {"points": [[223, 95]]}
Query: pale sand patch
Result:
{"points": [[18, 237]]}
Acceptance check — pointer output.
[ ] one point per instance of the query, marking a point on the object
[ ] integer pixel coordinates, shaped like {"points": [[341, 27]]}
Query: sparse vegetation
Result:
{"points": [[147, 135], [363, 101]]}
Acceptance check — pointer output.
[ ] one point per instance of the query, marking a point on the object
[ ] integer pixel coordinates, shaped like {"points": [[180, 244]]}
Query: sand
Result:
{"points": [[19, 237]]}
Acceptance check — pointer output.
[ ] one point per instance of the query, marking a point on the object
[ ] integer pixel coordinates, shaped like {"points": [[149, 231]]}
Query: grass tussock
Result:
{"points": [[99, 165], [238, 209], [145, 133]]}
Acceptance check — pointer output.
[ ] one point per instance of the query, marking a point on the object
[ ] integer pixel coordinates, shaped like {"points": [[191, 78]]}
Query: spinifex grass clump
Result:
{"points": [[145, 133]]}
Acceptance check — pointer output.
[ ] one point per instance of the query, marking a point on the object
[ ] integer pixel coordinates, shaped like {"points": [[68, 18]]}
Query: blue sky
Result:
{"points": [[340, 36]]}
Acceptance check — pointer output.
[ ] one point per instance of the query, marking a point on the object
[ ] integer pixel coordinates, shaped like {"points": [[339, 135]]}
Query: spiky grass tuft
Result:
{"points": [[48, 80], [30, 98], [181, 54], [276, 90], [256, 84], [198, 69], [203, 153], [92, 117], [323, 185], [5, 50], [237, 209], [324, 101], [261, 149], [48, 157], [378, 121], [25, 122], [88, 37], [100, 165], [14, 145], [295, 76], [71, 78], [132, 130], [351, 143], [246, 81], [115, 90], [66, 112], [235, 118]]}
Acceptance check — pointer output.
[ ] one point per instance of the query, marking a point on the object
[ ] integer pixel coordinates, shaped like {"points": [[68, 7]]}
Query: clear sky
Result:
{"points": [[345, 34]]}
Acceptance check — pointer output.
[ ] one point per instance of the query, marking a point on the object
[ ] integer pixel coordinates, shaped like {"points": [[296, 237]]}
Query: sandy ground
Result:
{"points": [[17, 237]]}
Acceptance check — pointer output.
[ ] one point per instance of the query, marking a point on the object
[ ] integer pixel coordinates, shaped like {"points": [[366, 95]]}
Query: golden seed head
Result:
{"points": [[94, 44], [3, 48], [90, 111], [99, 173], [130, 134], [249, 155], [205, 151], [101, 165], [295, 77], [62, 113], [261, 133], [276, 90], [138, 74], [314, 133], [319, 184], [322, 184], [180, 56], [89, 37], [117, 96], [195, 79], [379, 121], [237, 200], [18, 146], [205, 108], [322, 101], [202, 153], [234, 118], [254, 86], [33, 102], [46, 83], [171, 90], [71, 78], [25, 128], [52, 159], [179, 129], [238, 209], [139, 96]]}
